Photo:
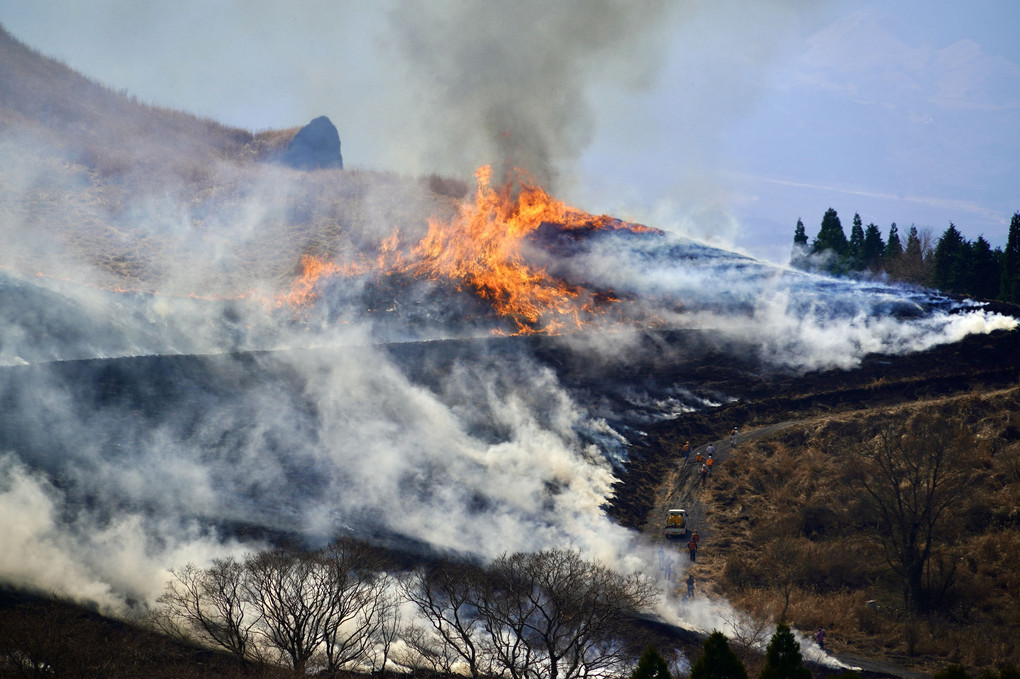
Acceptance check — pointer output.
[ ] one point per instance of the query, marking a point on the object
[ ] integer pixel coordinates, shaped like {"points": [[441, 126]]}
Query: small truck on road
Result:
{"points": [[676, 524]]}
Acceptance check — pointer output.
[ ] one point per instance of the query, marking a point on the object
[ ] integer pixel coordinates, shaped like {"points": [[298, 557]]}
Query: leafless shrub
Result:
{"points": [[552, 613], [909, 478], [447, 597], [334, 605], [210, 606]]}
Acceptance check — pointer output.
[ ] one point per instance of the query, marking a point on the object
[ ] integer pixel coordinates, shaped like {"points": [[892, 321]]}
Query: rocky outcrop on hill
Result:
{"points": [[315, 146]]}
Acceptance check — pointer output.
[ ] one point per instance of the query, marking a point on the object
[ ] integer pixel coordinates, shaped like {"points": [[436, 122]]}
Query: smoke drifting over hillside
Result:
{"points": [[136, 437], [230, 397]]}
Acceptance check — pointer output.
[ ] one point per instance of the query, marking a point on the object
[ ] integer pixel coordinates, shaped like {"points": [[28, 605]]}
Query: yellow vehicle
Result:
{"points": [[676, 524]]}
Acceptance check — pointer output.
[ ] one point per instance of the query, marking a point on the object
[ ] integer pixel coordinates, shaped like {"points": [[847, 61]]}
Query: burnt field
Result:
{"points": [[676, 386], [976, 364]]}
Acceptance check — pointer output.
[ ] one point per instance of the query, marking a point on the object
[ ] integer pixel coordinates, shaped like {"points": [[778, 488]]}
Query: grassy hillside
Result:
{"points": [[101, 187], [786, 523]]}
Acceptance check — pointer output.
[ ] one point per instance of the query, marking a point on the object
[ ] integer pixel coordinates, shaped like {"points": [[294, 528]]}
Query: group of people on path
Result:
{"points": [[706, 461]]}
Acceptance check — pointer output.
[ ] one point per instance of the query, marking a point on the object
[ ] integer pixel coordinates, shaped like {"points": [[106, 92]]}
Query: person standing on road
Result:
{"points": [[709, 463], [690, 586], [820, 638], [733, 437], [692, 547], [710, 450], [687, 453], [704, 474], [667, 568]]}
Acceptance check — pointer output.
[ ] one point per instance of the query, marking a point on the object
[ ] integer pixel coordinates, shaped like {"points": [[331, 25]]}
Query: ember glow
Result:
{"points": [[480, 250]]}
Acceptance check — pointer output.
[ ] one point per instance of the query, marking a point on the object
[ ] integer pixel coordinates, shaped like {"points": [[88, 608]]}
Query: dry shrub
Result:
{"points": [[836, 566]]}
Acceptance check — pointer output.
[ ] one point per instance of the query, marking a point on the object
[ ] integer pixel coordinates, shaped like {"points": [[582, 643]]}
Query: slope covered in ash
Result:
{"points": [[477, 446], [311, 352]]}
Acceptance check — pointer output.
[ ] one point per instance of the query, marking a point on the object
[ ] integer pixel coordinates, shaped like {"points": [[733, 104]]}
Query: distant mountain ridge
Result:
{"points": [[98, 186]]}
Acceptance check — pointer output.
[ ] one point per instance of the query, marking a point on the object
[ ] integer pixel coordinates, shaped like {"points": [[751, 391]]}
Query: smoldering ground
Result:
{"points": [[483, 449], [146, 429]]}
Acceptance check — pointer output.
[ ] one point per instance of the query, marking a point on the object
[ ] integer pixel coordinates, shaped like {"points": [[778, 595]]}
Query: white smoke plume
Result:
{"points": [[146, 429]]}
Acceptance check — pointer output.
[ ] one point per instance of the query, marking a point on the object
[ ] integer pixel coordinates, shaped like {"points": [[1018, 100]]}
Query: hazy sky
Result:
{"points": [[726, 120]]}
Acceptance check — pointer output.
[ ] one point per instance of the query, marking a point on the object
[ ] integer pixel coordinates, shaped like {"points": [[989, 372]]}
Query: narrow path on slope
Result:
{"points": [[681, 488]]}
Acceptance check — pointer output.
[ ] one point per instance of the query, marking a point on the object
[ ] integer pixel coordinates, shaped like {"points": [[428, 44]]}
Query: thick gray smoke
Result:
{"points": [[513, 83]]}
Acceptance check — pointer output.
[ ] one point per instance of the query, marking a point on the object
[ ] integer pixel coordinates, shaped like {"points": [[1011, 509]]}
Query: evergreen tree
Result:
{"points": [[798, 256], [855, 247], [799, 235], [651, 666], [873, 249], [782, 657], [985, 270], [717, 660], [951, 260], [893, 248], [830, 236], [1009, 288], [912, 267], [832, 240]]}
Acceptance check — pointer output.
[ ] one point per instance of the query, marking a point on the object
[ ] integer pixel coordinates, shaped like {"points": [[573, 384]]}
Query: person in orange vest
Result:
{"points": [[704, 473], [699, 458], [708, 463], [692, 547], [694, 537], [687, 452]]}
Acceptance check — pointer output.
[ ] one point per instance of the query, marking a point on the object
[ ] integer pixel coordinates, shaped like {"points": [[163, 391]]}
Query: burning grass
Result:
{"points": [[480, 250]]}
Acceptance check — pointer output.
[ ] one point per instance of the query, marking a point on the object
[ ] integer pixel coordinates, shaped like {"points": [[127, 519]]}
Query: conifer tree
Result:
{"points": [[799, 235], [912, 266], [782, 657], [952, 266], [893, 248], [855, 247], [985, 270], [873, 249], [798, 255], [651, 665], [832, 240], [830, 236], [1009, 289], [717, 660]]}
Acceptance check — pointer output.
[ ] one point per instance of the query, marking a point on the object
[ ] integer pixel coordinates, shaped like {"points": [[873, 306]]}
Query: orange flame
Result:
{"points": [[480, 249]]}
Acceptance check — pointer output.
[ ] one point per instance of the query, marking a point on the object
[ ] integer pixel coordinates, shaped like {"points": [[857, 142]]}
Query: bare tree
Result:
{"points": [[553, 614], [423, 648], [447, 596], [783, 566], [909, 480], [358, 602], [292, 593], [389, 628], [747, 632], [209, 605]]}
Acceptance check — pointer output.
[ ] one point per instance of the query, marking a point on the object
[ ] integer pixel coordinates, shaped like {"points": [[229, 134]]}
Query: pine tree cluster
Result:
{"points": [[952, 264]]}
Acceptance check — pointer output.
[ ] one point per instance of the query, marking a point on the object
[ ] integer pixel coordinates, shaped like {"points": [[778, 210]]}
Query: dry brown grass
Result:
{"points": [[95, 182], [783, 519]]}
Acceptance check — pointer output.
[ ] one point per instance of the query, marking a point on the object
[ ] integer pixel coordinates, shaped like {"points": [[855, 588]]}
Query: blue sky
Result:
{"points": [[723, 120]]}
